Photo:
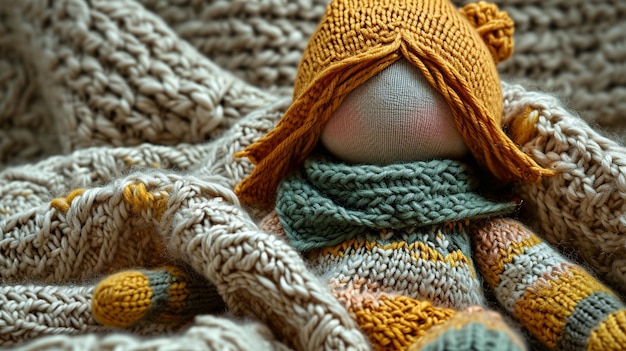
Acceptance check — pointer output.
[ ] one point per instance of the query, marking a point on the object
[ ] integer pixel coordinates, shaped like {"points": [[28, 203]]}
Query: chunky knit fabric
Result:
{"points": [[74, 73]]}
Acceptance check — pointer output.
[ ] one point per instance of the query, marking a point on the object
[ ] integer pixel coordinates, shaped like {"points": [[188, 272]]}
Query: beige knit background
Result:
{"points": [[107, 94], [69, 80]]}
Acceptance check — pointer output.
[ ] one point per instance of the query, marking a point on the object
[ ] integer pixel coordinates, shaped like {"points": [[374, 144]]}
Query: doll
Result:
{"points": [[374, 175], [374, 172]]}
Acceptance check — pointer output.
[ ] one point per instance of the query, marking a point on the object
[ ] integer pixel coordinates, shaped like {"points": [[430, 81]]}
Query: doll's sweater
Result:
{"points": [[405, 247]]}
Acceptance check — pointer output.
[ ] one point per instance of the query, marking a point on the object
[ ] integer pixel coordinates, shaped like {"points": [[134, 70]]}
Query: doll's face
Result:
{"points": [[396, 116]]}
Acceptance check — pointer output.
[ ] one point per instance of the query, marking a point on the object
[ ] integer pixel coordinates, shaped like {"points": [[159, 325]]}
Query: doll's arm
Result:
{"points": [[563, 305], [582, 207], [165, 295], [255, 273]]}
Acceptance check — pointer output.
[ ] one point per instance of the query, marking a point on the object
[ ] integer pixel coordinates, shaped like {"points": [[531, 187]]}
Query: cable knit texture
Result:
{"points": [[100, 97]]}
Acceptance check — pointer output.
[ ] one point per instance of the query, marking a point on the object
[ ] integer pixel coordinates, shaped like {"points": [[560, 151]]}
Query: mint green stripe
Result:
{"points": [[473, 337], [160, 281], [588, 314]]}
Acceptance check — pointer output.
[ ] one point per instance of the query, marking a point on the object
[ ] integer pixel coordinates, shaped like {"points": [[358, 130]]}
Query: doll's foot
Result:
{"points": [[163, 295], [400, 323], [558, 301], [474, 329]]}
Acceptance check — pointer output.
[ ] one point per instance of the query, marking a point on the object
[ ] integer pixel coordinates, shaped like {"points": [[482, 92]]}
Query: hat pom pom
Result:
{"points": [[494, 26]]}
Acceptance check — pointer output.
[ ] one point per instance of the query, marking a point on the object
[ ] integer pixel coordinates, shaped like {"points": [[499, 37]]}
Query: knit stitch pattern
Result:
{"points": [[197, 214], [575, 50], [575, 54], [349, 200], [574, 310], [397, 279], [140, 111], [582, 208]]}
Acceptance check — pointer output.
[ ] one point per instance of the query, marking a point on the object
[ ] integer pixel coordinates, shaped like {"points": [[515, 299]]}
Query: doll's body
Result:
{"points": [[386, 216], [404, 236], [392, 242]]}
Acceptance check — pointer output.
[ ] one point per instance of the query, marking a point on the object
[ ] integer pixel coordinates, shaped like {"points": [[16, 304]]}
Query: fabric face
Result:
{"points": [[396, 116]]}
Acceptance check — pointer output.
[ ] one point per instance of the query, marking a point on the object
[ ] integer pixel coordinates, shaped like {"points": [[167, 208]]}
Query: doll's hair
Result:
{"points": [[456, 51]]}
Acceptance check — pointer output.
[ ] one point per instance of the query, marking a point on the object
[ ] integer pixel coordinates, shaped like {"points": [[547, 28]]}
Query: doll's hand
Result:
{"points": [[474, 328], [162, 295]]}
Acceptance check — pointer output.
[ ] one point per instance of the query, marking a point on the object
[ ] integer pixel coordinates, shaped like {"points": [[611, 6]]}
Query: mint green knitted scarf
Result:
{"points": [[327, 202]]}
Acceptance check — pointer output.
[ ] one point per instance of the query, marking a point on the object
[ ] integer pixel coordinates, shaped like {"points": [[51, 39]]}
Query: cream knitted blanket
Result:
{"points": [[119, 120]]}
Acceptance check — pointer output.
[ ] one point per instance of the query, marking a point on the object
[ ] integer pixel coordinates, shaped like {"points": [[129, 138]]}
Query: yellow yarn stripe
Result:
{"points": [[122, 299], [610, 335], [63, 203], [394, 323], [419, 250], [139, 199], [552, 298]]}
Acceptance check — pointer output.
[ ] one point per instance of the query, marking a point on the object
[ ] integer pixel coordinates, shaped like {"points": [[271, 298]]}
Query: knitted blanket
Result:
{"points": [[119, 120]]}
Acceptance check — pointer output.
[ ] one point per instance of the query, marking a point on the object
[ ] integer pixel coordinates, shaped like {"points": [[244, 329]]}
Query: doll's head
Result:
{"points": [[448, 57], [395, 116]]}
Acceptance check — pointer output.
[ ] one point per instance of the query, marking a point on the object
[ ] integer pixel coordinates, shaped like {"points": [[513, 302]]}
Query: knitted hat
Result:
{"points": [[456, 50]]}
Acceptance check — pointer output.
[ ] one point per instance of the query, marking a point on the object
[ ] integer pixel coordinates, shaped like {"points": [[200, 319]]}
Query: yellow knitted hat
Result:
{"points": [[456, 50]]}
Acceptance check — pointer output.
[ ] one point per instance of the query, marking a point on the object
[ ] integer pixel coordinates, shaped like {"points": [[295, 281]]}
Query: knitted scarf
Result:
{"points": [[328, 202]]}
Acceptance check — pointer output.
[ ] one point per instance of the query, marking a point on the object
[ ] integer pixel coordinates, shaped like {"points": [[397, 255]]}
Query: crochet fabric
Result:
{"points": [[117, 126]]}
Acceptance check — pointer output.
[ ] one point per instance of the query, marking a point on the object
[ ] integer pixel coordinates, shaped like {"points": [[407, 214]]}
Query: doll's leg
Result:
{"points": [[166, 295], [472, 329], [559, 302], [395, 322], [391, 322]]}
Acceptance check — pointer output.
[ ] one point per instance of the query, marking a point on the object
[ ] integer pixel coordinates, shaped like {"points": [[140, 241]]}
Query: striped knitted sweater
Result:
{"points": [[404, 248]]}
